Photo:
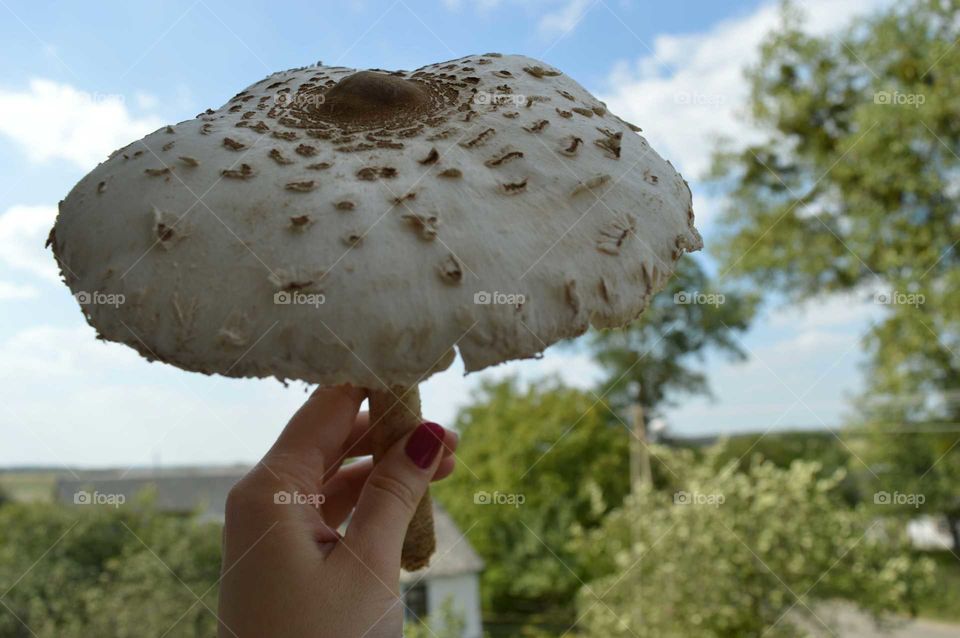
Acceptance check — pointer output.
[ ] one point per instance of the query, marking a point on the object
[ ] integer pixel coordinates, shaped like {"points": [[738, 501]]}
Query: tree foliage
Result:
{"points": [[128, 572], [533, 462], [857, 183], [740, 553], [660, 351]]}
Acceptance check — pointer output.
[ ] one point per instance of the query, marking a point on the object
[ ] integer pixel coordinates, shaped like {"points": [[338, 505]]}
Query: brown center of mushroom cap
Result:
{"points": [[367, 94], [370, 99]]}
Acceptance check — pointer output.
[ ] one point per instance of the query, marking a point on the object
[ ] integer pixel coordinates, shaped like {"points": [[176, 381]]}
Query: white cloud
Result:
{"points": [[9, 291], [691, 89], [23, 232], [565, 19], [57, 121]]}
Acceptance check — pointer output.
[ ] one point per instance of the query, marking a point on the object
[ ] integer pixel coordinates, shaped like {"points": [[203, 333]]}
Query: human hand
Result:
{"points": [[287, 572]]}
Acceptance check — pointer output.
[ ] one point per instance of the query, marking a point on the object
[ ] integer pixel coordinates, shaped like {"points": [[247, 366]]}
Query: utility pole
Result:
{"points": [[640, 471]]}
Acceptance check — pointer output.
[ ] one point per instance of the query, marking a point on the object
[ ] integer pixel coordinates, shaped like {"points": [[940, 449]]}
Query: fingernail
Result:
{"points": [[424, 444]]}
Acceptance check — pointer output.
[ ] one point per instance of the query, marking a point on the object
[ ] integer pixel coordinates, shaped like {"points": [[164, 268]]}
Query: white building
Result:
{"points": [[453, 574]]}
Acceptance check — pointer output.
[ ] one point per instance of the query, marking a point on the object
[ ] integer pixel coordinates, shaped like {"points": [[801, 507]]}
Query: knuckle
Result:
{"points": [[393, 489]]}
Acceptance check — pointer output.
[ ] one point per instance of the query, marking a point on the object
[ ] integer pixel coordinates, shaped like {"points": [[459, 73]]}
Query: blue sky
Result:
{"points": [[80, 79]]}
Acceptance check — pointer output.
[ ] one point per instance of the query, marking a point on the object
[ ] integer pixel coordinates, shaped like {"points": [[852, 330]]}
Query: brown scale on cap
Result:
{"points": [[615, 234], [372, 173], [352, 238], [397, 201], [572, 146], [514, 188], [535, 99], [425, 225], [300, 222], [479, 140], [539, 72], [244, 172], [304, 186], [537, 126], [503, 158], [431, 157], [277, 156], [610, 142], [588, 185], [450, 270]]}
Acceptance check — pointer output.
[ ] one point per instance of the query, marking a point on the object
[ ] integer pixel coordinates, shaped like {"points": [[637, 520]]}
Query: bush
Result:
{"points": [[737, 553], [115, 573]]}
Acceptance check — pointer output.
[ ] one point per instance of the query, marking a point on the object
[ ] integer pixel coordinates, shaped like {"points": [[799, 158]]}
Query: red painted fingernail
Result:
{"points": [[424, 444]]}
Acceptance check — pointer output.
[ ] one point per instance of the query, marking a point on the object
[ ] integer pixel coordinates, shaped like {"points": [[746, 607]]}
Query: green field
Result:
{"points": [[28, 485]]}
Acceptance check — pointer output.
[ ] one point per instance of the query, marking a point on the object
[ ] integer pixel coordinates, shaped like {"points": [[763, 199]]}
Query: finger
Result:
{"points": [[360, 443], [390, 496], [340, 495], [320, 427]]}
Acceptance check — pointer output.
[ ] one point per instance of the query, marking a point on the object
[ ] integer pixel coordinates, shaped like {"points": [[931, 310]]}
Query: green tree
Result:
{"points": [[655, 359], [446, 622], [532, 463], [740, 553], [116, 573], [855, 184]]}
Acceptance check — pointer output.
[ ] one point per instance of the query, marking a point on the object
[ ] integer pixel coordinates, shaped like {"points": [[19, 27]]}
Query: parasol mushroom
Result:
{"points": [[339, 226]]}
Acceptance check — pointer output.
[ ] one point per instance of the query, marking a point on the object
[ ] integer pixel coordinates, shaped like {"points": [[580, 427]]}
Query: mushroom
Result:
{"points": [[523, 231]]}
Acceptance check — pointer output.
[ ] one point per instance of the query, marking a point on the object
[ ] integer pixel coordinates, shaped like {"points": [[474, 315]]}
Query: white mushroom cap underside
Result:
{"points": [[246, 243]]}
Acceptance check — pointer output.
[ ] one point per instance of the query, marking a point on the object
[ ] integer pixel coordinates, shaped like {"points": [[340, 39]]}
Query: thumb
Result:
{"points": [[390, 497]]}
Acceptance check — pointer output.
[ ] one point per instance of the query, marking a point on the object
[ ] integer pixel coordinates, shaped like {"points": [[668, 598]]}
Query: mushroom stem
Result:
{"points": [[394, 413]]}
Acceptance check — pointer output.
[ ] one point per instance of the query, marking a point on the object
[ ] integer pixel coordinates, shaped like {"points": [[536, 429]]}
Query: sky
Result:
{"points": [[78, 80]]}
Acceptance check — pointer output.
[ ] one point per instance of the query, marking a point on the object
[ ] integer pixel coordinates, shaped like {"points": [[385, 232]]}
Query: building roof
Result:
{"points": [[204, 491]]}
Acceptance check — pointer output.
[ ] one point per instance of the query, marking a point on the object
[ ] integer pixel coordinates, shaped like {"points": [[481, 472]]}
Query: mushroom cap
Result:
{"points": [[337, 226]]}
